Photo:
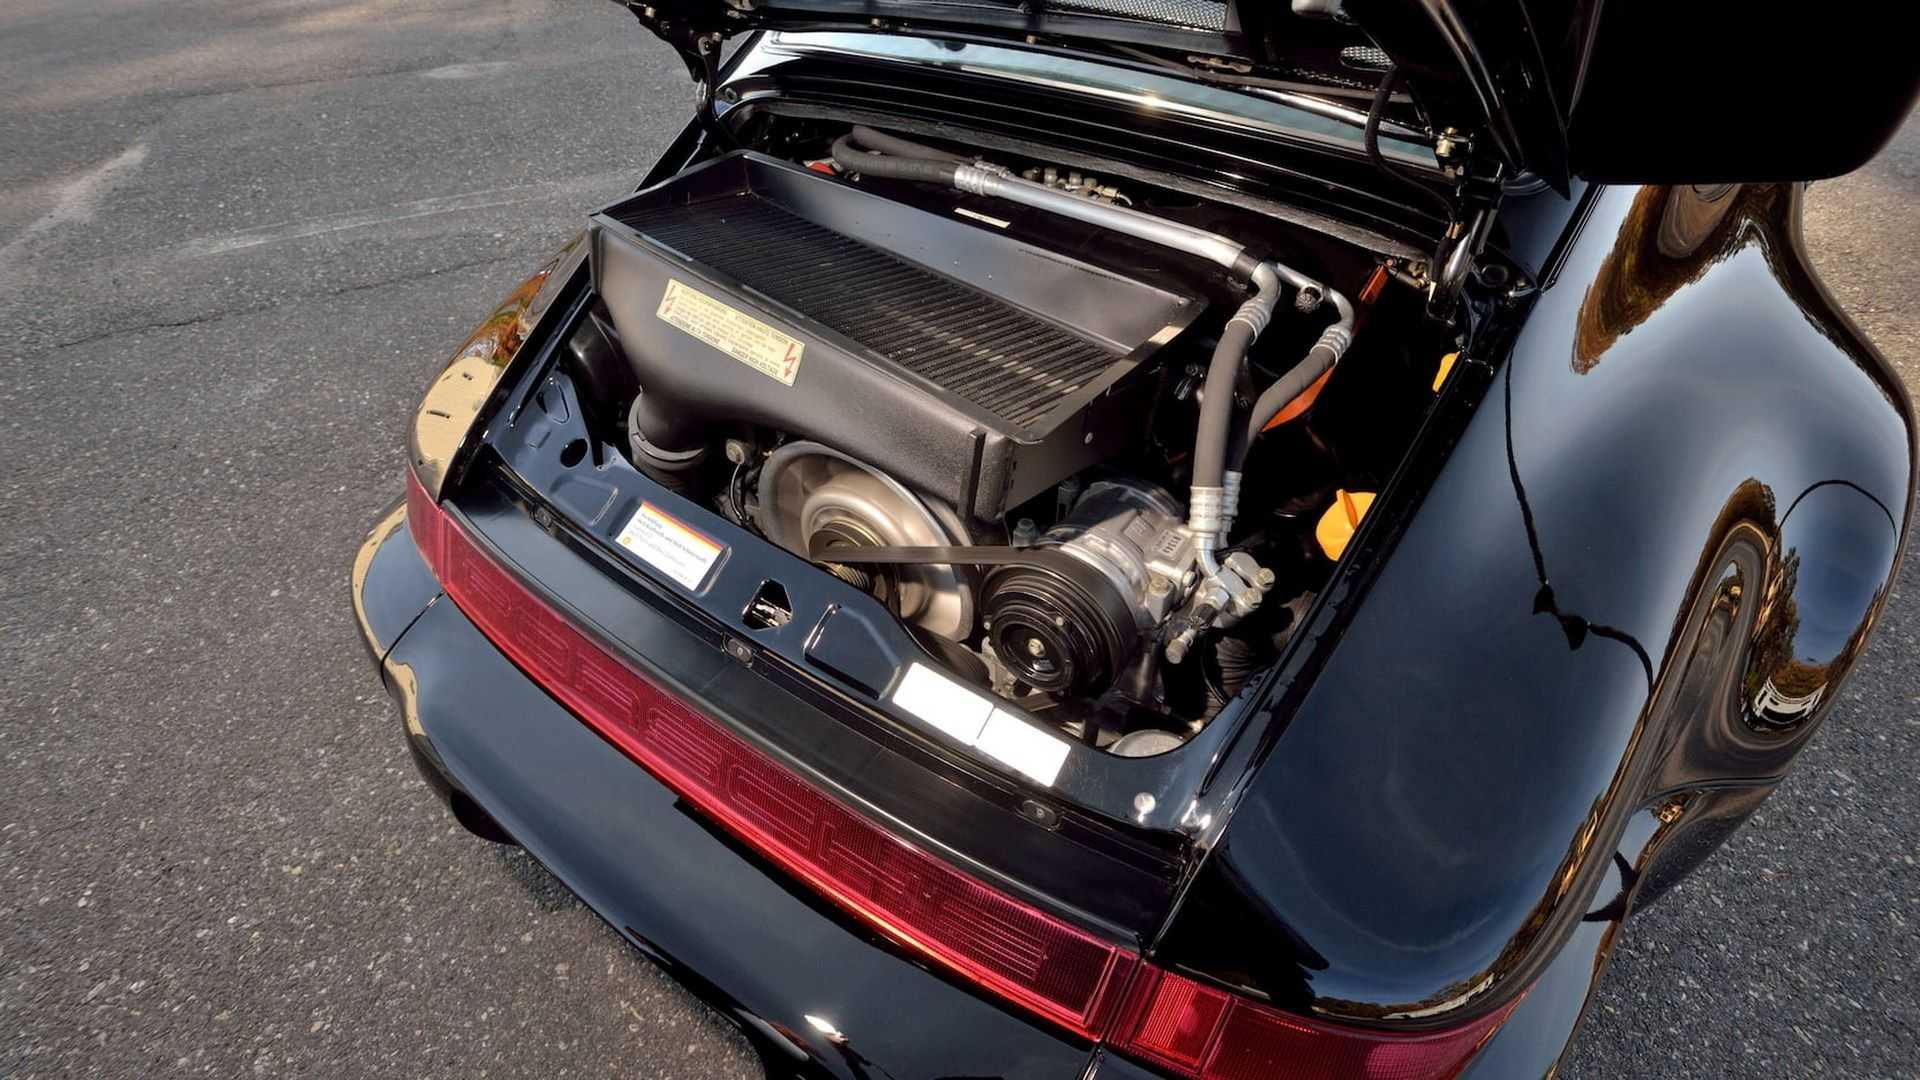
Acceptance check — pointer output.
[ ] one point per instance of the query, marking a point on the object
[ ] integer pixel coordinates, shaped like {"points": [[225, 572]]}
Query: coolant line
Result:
{"points": [[1325, 353], [880, 142], [924, 170], [1205, 512]]}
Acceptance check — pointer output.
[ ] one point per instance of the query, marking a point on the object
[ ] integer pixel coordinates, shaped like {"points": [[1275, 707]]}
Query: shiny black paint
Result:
{"points": [[1732, 79], [712, 915], [1459, 791], [1554, 89], [1477, 67], [1117, 883], [1707, 488]]}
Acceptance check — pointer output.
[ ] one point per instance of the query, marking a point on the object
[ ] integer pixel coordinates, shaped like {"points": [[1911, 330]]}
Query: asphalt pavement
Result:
{"points": [[235, 241]]}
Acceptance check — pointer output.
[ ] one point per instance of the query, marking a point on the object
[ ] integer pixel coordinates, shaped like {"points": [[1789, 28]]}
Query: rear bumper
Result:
{"points": [[767, 954]]}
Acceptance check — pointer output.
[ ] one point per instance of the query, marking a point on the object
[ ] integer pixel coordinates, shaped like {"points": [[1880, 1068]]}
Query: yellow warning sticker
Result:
{"points": [[732, 331]]}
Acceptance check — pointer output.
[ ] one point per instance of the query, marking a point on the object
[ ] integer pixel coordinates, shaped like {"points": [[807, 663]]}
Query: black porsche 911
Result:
{"points": [[1123, 538]]}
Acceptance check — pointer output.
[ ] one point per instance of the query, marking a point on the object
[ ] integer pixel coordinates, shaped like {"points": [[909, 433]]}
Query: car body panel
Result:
{"points": [[1706, 494], [917, 783], [714, 916], [389, 584]]}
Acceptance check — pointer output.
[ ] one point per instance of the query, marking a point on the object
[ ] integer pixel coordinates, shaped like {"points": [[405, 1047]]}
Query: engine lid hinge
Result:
{"points": [[1476, 201], [696, 35]]}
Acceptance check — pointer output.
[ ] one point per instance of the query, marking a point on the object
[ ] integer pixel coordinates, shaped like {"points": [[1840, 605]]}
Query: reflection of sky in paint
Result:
{"points": [[1141, 87]]}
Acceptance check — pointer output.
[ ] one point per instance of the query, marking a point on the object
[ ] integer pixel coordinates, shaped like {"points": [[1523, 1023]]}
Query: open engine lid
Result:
{"points": [[1627, 90]]}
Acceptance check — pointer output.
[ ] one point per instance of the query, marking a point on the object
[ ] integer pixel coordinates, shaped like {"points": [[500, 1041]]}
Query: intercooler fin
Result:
{"points": [[977, 347]]}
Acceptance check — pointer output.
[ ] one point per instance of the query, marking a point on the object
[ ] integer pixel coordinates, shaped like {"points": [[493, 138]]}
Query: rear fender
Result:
{"points": [[1633, 588]]}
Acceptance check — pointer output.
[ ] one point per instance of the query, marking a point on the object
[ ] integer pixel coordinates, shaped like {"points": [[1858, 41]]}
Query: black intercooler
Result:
{"points": [[973, 366]]}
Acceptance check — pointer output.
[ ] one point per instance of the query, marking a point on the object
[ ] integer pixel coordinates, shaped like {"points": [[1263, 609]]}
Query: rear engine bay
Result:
{"points": [[1096, 444]]}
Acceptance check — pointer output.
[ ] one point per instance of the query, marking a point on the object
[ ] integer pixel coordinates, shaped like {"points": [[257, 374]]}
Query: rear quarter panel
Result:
{"points": [[1611, 622]]}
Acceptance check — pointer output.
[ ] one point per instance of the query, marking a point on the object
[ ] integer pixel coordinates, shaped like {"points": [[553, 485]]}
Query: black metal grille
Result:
{"points": [[1194, 14], [1005, 361], [1372, 57]]}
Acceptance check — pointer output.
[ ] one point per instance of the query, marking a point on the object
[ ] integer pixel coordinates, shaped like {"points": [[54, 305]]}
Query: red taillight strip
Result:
{"points": [[1199, 1031], [1012, 949], [1022, 954]]}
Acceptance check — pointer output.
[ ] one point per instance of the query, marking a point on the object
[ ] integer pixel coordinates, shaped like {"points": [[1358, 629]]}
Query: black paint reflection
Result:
{"points": [[1798, 656], [1576, 627], [1635, 582]]}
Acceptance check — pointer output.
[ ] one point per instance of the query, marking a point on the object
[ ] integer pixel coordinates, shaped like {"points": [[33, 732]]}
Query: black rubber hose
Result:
{"points": [[1216, 409], [1284, 389], [883, 143], [919, 170], [1238, 661], [1370, 137]]}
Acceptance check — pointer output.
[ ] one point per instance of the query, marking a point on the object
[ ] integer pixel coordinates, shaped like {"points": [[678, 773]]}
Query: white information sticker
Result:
{"points": [[669, 546], [940, 701], [998, 223], [971, 718], [1024, 747], [734, 332]]}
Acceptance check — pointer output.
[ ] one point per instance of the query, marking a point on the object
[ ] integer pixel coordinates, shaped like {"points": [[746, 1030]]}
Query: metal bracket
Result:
{"points": [[1478, 200], [696, 36]]}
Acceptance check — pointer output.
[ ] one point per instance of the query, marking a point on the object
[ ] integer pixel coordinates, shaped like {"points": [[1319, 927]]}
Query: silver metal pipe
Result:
{"points": [[1155, 230], [1257, 310]]}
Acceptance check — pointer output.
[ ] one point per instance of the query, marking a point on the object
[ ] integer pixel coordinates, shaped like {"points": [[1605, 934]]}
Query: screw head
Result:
{"points": [[739, 650], [1040, 814]]}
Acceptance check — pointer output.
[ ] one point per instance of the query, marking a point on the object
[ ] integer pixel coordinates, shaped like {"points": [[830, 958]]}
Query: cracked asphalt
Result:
{"points": [[235, 240]]}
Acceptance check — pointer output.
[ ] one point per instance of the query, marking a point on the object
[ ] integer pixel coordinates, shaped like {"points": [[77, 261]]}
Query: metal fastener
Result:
{"points": [[740, 651], [1040, 814]]}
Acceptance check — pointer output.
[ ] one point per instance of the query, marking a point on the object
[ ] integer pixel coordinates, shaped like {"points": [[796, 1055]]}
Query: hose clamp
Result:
{"points": [[1254, 314], [1336, 337], [1203, 513], [1229, 502], [972, 180]]}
